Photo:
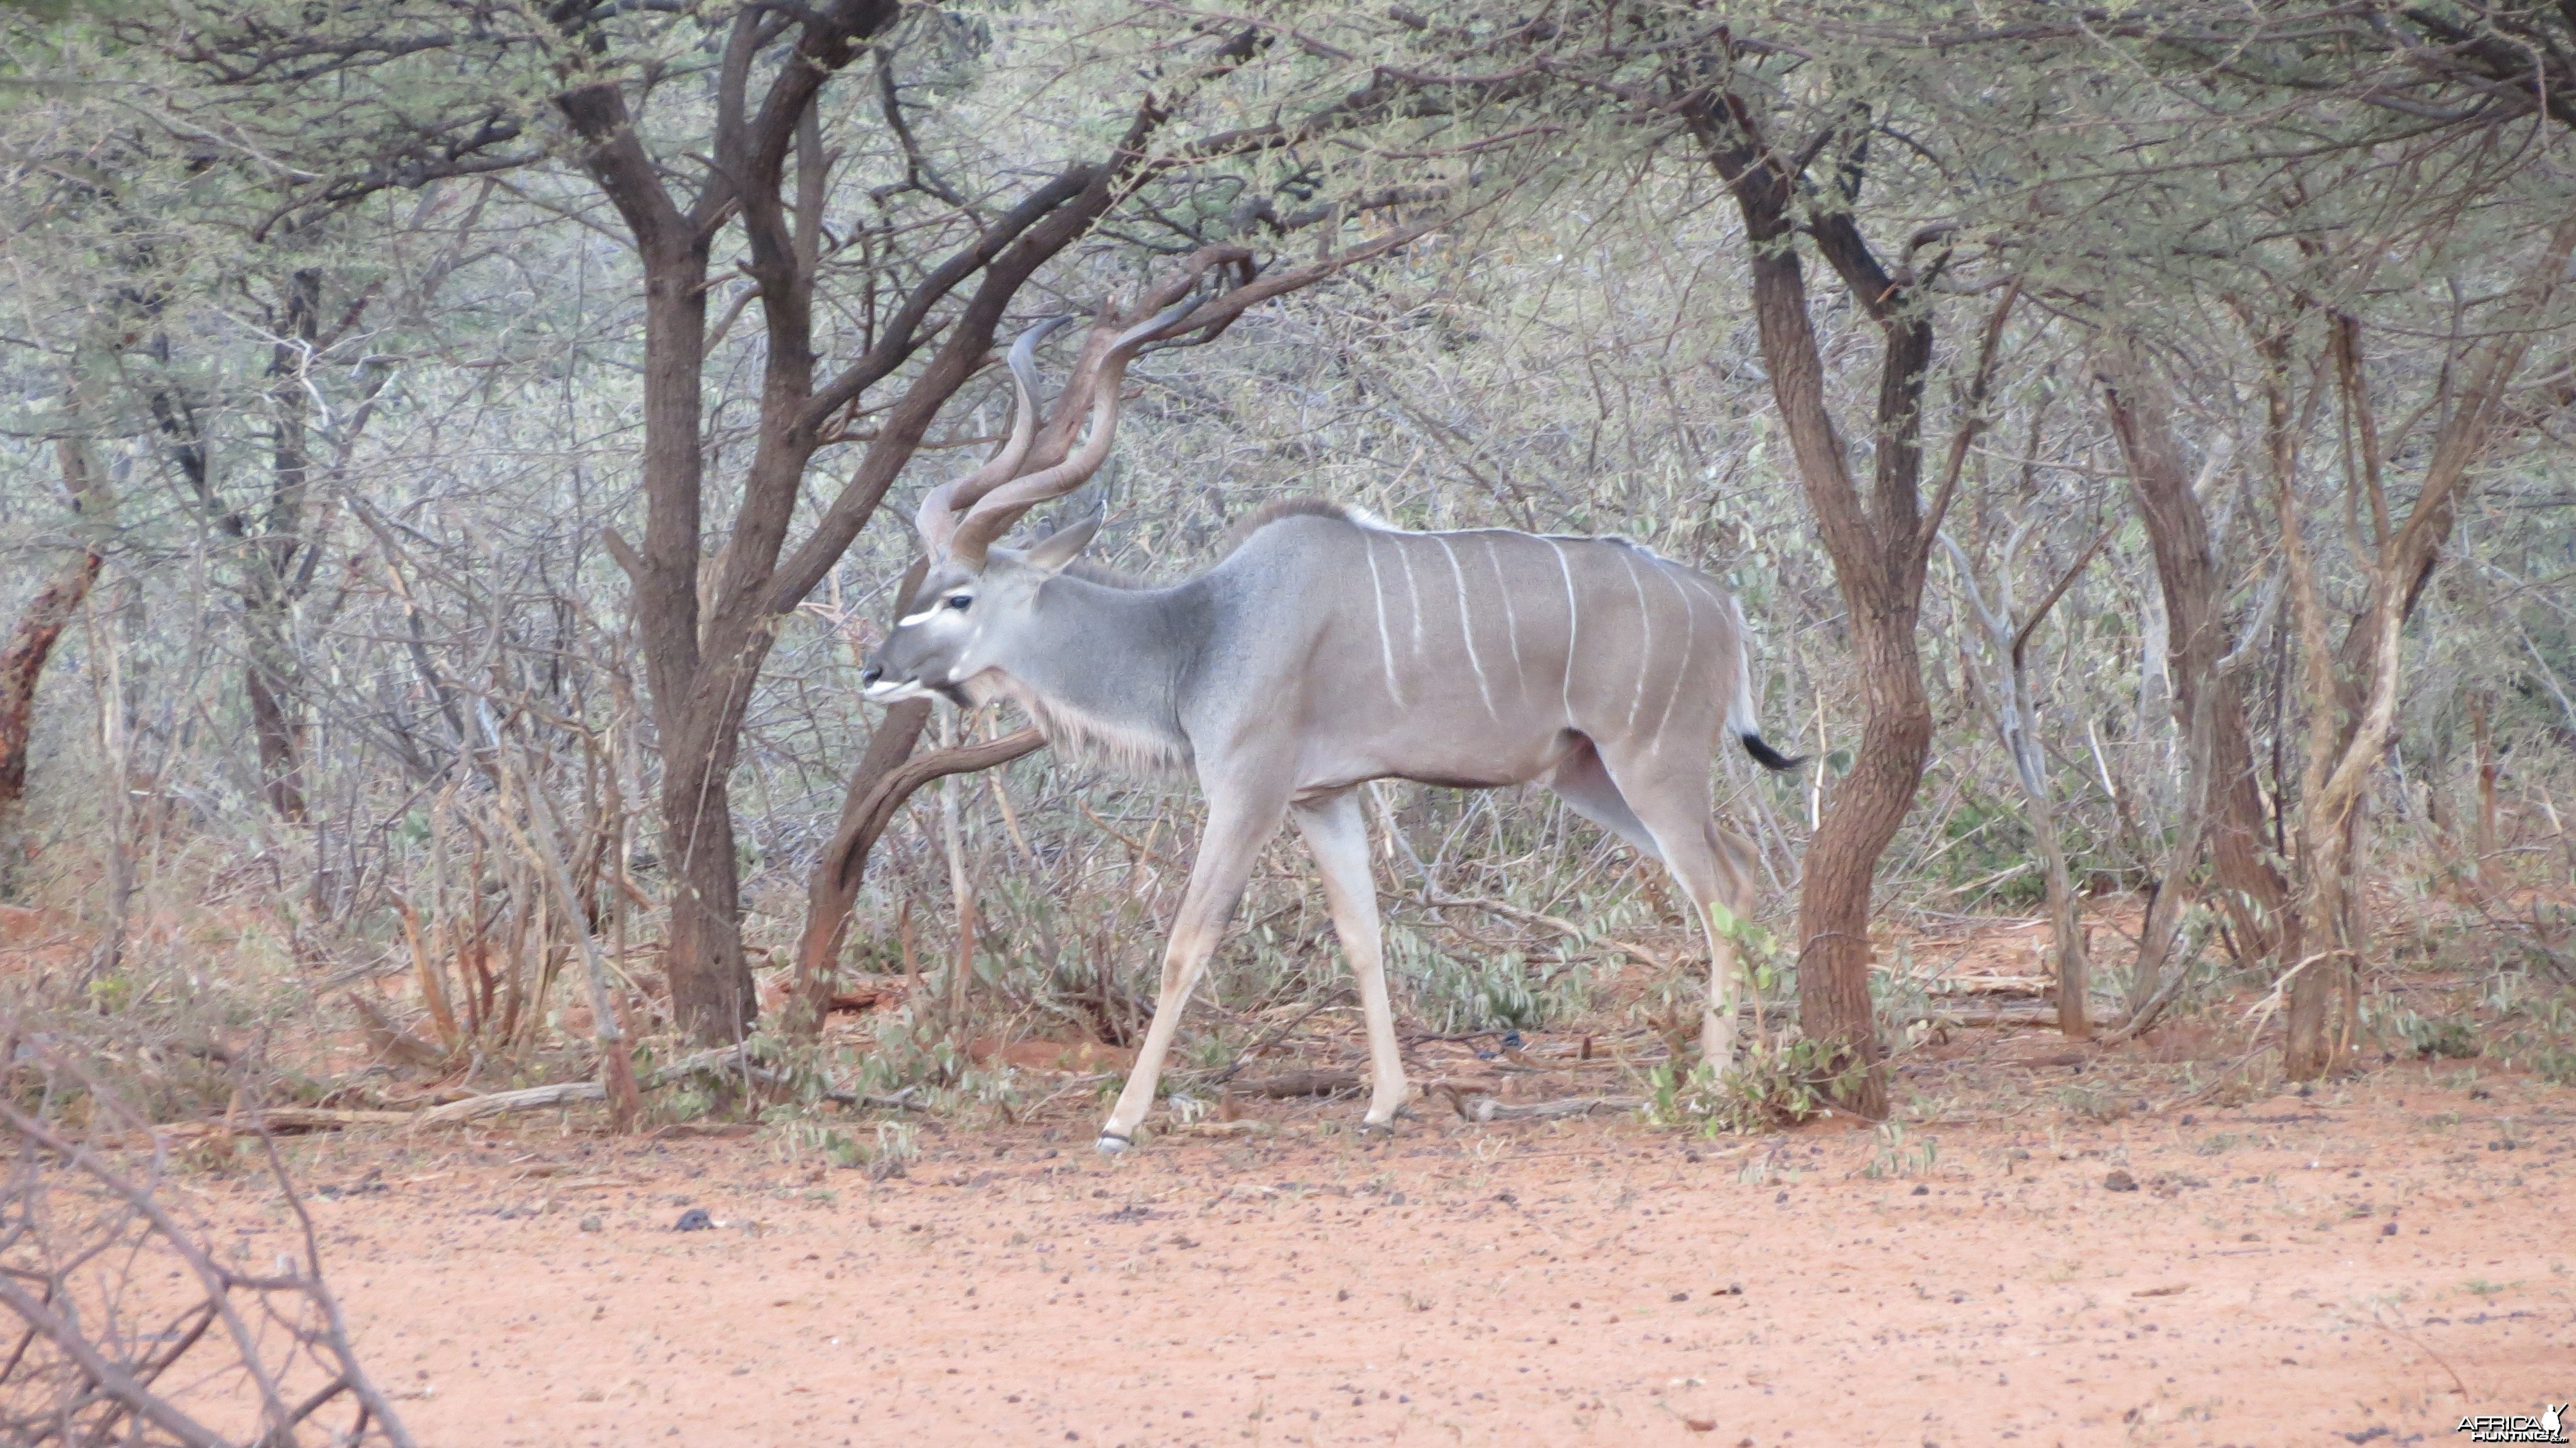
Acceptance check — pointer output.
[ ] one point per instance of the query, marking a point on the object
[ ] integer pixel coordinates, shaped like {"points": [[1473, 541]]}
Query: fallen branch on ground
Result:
{"points": [[570, 1093], [1299, 1083], [1476, 1106], [573, 1093], [274, 1120]]}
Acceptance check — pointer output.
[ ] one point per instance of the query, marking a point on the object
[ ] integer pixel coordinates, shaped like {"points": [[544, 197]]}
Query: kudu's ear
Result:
{"points": [[1062, 547], [911, 585]]}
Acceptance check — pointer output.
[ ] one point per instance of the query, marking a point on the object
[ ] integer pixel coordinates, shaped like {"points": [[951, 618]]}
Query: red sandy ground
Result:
{"points": [[2364, 1266]]}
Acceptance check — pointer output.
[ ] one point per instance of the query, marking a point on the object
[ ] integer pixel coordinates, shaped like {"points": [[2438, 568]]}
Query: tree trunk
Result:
{"points": [[1842, 858], [2250, 890], [710, 982], [2074, 972], [267, 678], [885, 779], [281, 557], [22, 661], [2352, 695], [710, 978], [30, 642], [1879, 549]]}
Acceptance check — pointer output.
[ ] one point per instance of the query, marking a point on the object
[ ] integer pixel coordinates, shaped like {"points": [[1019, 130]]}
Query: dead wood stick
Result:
{"points": [[1274, 1038], [617, 1068], [566, 1093], [1300, 1083], [1476, 1106], [569, 1093], [1566, 928]]}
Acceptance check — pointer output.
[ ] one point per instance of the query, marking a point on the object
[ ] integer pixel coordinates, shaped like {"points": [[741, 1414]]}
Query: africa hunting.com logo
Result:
{"points": [[2549, 1427]]}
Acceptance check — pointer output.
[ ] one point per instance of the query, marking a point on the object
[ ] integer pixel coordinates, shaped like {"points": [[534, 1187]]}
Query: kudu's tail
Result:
{"points": [[1739, 717], [1766, 756]]}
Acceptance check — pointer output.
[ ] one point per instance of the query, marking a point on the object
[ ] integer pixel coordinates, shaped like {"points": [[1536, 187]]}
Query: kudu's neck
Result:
{"points": [[1100, 669]]}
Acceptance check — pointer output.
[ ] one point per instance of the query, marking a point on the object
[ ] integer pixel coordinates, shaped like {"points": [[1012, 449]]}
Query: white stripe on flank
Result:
{"points": [[1511, 615], [1412, 596], [1645, 639], [1385, 645], [1690, 641], [1701, 584], [1571, 626], [1467, 624], [1739, 713]]}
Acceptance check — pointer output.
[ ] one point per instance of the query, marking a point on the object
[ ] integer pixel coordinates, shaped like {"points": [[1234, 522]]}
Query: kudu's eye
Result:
{"points": [[960, 600]]}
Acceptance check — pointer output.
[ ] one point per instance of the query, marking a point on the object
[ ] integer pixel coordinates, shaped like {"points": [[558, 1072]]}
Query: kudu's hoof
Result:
{"points": [[1112, 1144], [1377, 1131]]}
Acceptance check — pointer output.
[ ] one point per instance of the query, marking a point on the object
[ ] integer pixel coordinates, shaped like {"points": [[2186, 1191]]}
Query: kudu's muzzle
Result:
{"points": [[884, 680], [899, 669]]}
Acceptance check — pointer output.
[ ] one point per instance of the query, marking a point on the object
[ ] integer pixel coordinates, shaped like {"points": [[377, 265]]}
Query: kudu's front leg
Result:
{"points": [[1235, 835], [1337, 836]]}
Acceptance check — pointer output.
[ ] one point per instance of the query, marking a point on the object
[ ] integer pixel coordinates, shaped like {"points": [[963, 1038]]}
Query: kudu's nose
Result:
{"points": [[871, 674]]}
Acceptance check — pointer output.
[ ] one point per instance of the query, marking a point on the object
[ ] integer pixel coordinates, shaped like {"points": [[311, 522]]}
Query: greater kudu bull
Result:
{"points": [[1324, 651]]}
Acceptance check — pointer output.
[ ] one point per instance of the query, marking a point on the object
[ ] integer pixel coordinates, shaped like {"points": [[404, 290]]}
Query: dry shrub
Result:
{"points": [[131, 1329]]}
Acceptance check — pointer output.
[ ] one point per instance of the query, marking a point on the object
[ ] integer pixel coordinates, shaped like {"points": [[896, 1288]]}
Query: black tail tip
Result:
{"points": [[1768, 757]]}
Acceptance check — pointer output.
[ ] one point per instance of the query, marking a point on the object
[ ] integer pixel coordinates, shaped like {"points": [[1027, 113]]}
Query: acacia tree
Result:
{"points": [[2423, 117], [2003, 688], [712, 131], [2350, 687], [700, 664], [274, 504], [2140, 406], [1881, 543], [2274, 165], [247, 350]]}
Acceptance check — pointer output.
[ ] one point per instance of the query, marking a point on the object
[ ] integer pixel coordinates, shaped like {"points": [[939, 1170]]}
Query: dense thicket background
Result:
{"points": [[323, 400]]}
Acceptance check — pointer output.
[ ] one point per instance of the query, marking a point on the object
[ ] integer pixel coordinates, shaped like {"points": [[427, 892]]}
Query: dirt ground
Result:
{"points": [[2367, 1264]]}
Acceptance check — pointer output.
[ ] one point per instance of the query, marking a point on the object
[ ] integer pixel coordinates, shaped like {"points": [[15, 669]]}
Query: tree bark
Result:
{"points": [[281, 557], [833, 888], [30, 641], [2251, 891], [23, 656]]}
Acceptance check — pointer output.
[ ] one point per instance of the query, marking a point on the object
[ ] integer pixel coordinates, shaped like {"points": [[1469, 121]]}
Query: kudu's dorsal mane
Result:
{"points": [[1242, 529], [1236, 535], [1279, 510]]}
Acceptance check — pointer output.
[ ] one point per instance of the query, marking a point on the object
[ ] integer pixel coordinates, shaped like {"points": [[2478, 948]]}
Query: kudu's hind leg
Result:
{"points": [[1337, 836], [1235, 834], [1674, 808], [1585, 785]]}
